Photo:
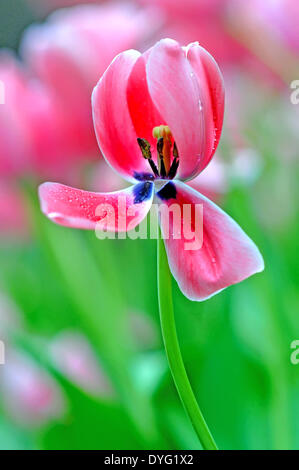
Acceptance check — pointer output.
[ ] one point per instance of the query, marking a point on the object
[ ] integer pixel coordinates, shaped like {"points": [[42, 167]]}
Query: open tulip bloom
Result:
{"points": [[158, 119]]}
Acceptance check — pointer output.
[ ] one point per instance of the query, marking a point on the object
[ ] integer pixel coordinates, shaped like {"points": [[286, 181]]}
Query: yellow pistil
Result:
{"points": [[165, 133]]}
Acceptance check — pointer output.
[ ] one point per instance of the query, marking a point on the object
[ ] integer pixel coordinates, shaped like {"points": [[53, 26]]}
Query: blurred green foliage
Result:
{"points": [[15, 15]]}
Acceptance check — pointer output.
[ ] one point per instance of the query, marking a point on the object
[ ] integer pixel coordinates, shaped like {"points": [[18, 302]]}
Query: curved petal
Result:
{"points": [[119, 211], [212, 87], [174, 90], [207, 250], [113, 125], [143, 112]]}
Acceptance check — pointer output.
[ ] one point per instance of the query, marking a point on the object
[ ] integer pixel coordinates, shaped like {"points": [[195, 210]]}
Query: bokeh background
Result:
{"points": [[84, 362]]}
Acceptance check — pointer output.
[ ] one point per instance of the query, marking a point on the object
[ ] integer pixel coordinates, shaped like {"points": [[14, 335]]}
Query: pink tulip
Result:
{"points": [[144, 333], [10, 317], [29, 394], [74, 356], [13, 219], [175, 95], [286, 17], [70, 51], [213, 182], [34, 135], [104, 178], [277, 18], [200, 20], [45, 118], [237, 33], [268, 29], [14, 127], [82, 41]]}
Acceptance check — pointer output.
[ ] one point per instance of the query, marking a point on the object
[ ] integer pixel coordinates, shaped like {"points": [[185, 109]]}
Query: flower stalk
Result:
{"points": [[173, 352]]}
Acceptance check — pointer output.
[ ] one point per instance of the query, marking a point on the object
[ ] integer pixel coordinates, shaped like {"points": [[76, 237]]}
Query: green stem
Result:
{"points": [[173, 352]]}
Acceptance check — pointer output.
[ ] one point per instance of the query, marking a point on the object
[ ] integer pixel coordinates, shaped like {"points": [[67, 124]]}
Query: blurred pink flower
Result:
{"points": [[46, 127], [278, 18], [28, 393], [200, 20], [213, 182], [13, 217], [171, 98], [75, 358], [71, 50], [33, 137], [103, 178], [144, 332], [269, 30], [284, 14], [247, 34], [10, 317], [45, 120], [15, 142]]}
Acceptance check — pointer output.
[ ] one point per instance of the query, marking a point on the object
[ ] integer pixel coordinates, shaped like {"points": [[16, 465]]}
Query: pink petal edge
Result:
{"points": [[227, 255], [118, 211], [176, 94], [114, 129], [212, 85]]}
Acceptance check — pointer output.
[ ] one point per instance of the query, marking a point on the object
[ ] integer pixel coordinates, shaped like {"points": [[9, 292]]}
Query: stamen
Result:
{"points": [[161, 131], [175, 163], [156, 132], [160, 147], [153, 167], [173, 169], [175, 151], [165, 142], [165, 132], [145, 148], [160, 144]]}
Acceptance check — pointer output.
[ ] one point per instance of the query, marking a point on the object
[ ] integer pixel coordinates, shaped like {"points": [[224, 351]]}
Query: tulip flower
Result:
{"points": [[45, 118], [173, 99], [10, 316], [14, 140], [46, 128], [80, 43], [279, 19], [268, 30], [13, 218], [203, 21], [34, 137], [237, 33], [158, 119], [30, 395], [74, 356], [213, 182]]}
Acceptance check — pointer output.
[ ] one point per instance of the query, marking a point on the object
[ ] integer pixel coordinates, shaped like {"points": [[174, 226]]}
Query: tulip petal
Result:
{"points": [[207, 250], [115, 131], [119, 211], [174, 90], [144, 113], [211, 83]]}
